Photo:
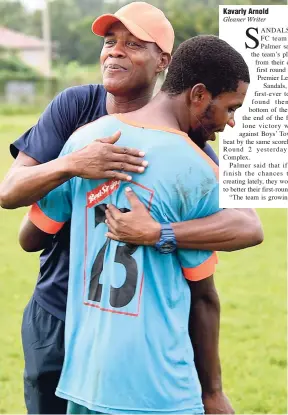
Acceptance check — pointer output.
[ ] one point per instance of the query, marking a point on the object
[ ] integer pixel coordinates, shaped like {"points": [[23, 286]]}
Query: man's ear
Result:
{"points": [[199, 95], [164, 61]]}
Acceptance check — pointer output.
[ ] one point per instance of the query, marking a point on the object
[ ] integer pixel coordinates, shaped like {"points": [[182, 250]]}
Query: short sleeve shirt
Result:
{"points": [[127, 344]]}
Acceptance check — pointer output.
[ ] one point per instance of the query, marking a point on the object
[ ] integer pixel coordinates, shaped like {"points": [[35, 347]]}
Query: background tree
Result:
{"points": [[71, 21]]}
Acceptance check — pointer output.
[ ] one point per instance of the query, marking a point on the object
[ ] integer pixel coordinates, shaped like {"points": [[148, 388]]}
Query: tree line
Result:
{"points": [[71, 22]]}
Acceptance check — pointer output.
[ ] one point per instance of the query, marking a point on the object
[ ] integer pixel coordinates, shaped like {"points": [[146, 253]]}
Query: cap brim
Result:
{"points": [[102, 24]]}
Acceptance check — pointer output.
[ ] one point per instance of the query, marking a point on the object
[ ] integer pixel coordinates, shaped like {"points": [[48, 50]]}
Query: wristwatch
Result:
{"points": [[167, 242]]}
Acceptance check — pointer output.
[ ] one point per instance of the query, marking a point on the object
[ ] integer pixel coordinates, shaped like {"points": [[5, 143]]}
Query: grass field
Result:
{"points": [[252, 288]]}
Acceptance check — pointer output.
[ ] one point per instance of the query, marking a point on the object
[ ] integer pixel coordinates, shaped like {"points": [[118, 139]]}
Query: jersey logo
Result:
{"points": [[100, 193]]}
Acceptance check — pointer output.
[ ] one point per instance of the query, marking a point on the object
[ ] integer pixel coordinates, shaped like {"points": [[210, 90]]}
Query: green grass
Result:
{"points": [[252, 288]]}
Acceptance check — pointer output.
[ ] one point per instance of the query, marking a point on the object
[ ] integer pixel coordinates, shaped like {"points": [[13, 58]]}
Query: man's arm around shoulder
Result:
{"points": [[227, 230], [27, 181]]}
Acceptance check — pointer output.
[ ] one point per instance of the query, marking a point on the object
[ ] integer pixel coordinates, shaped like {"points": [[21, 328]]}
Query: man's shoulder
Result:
{"points": [[83, 92], [84, 135], [195, 159], [182, 155], [103, 122], [82, 104], [204, 163]]}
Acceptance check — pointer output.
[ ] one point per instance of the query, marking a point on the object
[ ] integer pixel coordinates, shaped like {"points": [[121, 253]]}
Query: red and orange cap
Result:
{"points": [[143, 20]]}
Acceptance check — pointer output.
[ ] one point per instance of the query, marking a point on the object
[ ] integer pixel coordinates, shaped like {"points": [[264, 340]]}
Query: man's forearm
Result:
{"points": [[228, 230], [204, 335], [31, 238], [24, 185], [27, 181], [204, 321]]}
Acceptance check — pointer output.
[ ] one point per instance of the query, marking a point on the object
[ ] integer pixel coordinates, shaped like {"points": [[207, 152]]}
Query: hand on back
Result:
{"points": [[102, 159]]}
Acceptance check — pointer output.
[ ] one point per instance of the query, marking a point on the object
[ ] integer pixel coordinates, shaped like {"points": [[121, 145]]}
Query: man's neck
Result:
{"points": [[121, 105], [162, 111]]}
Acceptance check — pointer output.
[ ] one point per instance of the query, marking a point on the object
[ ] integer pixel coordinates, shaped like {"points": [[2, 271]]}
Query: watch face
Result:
{"points": [[167, 248]]}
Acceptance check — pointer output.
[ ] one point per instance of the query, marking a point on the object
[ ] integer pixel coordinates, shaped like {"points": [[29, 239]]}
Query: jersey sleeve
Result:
{"points": [[197, 265], [51, 212], [45, 140]]}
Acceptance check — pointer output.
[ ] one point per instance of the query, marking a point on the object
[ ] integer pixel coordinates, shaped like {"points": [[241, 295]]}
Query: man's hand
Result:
{"points": [[100, 159], [217, 403], [136, 227]]}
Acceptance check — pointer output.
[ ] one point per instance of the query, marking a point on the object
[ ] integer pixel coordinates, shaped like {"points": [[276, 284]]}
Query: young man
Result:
{"points": [[127, 342], [36, 171]]}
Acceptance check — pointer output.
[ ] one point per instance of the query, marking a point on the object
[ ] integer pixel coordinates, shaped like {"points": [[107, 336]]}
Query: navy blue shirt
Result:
{"points": [[70, 110]]}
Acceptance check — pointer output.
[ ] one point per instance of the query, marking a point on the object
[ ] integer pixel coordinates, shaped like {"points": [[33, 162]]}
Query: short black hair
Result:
{"points": [[209, 60]]}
